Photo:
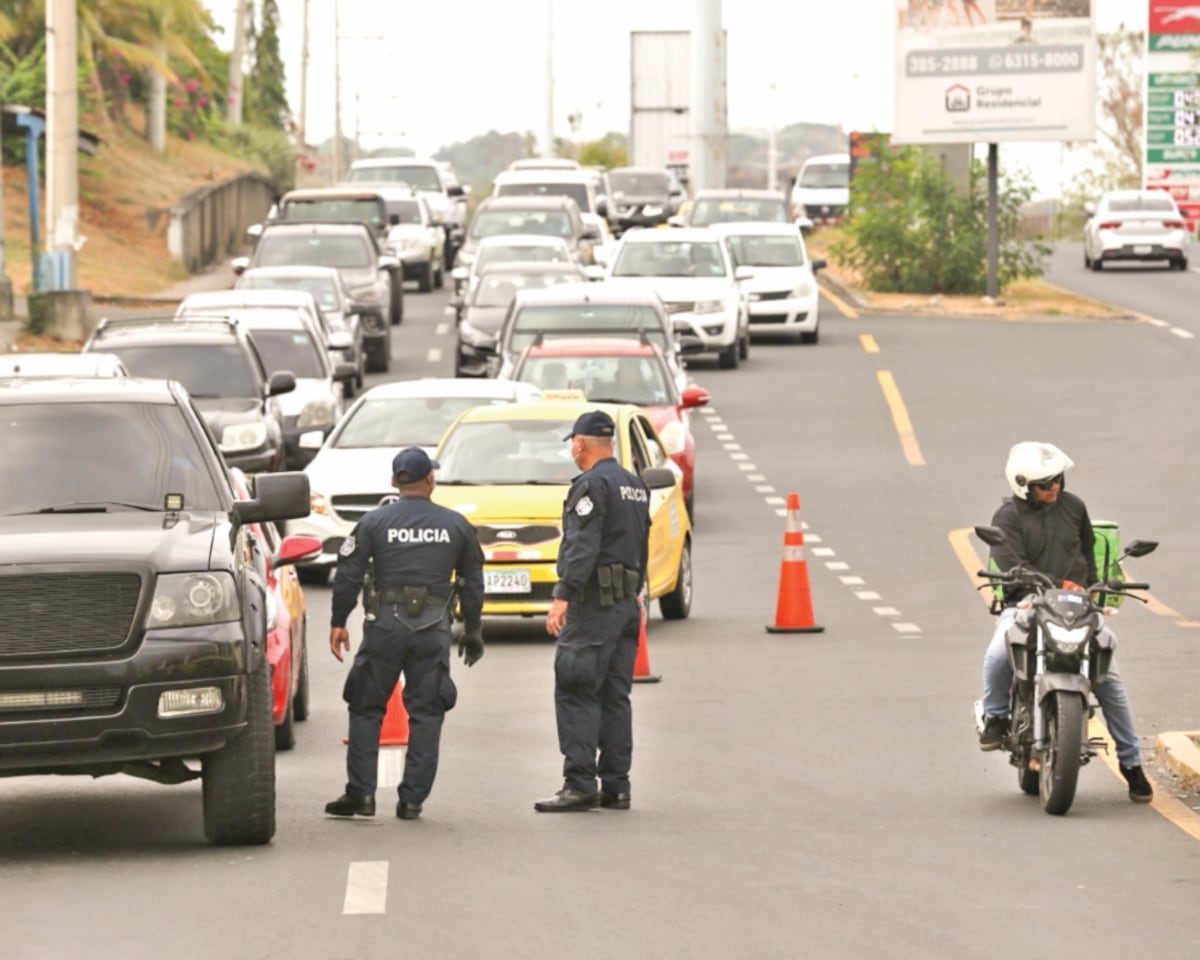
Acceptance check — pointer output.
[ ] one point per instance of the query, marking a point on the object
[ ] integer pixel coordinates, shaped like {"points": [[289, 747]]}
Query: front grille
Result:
{"points": [[502, 536], [771, 295], [687, 307], [56, 701], [768, 318], [351, 507], [58, 613]]}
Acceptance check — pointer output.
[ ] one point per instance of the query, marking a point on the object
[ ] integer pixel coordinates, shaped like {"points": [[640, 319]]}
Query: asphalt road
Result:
{"points": [[793, 795]]}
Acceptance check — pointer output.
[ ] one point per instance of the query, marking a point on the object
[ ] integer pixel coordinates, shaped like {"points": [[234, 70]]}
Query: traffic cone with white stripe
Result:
{"points": [[641, 666], [793, 608]]}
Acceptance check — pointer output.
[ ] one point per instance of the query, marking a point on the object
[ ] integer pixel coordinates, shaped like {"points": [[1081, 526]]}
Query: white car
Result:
{"points": [[783, 293], [1143, 225], [510, 248], [30, 366], [692, 271], [352, 472]]}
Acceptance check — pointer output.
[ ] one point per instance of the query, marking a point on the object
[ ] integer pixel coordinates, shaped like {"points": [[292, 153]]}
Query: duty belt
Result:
{"points": [[413, 599], [613, 582]]}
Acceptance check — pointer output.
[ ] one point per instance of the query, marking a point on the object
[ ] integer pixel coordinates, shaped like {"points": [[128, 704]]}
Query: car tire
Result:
{"points": [[425, 280], [1087, 261], [744, 346], [677, 604], [729, 357], [239, 779], [1097, 265], [812, 337], [378, 356], [285, 730], [439, 278], [1180, 264], [301, 701]]}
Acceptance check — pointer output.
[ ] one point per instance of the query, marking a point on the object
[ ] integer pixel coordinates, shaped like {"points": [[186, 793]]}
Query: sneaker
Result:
{"points": [[1140, 790], [995, 729]]}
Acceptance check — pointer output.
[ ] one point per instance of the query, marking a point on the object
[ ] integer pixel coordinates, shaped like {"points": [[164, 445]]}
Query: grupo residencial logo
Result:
{"points": [[958, 99]]}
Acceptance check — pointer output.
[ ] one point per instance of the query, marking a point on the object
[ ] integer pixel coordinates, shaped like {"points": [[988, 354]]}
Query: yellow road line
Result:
{"points": [[868, 343], [839, 304], [1176, 812], [904, 427]]}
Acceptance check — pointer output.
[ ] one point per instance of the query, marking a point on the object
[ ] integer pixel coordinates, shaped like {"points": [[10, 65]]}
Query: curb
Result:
{"points": [[1180, 753]]}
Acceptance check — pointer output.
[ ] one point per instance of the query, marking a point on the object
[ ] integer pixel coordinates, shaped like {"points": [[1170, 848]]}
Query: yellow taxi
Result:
{"points": [[507, 469]]}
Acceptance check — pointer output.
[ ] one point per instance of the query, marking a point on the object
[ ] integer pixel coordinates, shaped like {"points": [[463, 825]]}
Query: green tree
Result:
{"points": [[911, 230], [611, 150], [266, 99]]}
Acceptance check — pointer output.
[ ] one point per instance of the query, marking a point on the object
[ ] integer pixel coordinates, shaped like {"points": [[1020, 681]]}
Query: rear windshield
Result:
{"points": [[343, 252], [101, 456], [417, 176], [586, 319], [498, 289], [292, 350], [724, 211], [576, 191], [639, 184], [401, 422], [676, 258], [323, 289], [612, 379], [365, 211], [1163, 204], [526, 252], [766, 250], [208, 370], [546, 223]]}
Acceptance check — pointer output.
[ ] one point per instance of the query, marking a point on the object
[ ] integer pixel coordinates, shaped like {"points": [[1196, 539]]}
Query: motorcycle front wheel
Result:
{"points": [[1059, 774]]}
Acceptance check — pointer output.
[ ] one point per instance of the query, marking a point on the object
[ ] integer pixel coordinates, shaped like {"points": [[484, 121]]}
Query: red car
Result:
{"points": [[617, 370], [287, 620]]}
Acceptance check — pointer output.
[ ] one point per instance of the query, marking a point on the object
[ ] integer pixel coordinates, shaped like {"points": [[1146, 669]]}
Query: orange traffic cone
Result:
{"points": [[641, 665], [394, 731], [793, 609]]}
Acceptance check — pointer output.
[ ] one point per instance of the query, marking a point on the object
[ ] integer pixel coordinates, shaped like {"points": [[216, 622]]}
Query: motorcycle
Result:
{"points": [[1059, 649]]}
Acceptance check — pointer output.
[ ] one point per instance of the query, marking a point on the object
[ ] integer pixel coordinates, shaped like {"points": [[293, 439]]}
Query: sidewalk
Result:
{"points": [[218, 277]]}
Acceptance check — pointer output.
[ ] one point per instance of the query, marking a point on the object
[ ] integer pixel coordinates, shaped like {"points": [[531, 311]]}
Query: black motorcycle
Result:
{"points": [[1059, 649]]}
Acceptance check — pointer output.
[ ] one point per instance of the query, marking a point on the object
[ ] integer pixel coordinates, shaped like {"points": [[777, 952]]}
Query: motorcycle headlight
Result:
{"points": [[243, 436], [673, 437], [1067, 640], [316, 413], [709, 306], [188, 599]]}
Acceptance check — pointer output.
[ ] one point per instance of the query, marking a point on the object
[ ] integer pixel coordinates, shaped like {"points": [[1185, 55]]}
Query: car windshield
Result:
{"points": [[1151, 204], [712, 210], [576, 191], [292, 350], [582, 319], [546, 223], [826, 176], [507, 452], [529, 252], [639, 184], [498, 289], [205, 369], [766, 250], [344, 252], [404, 421], [101, 456], [418, 176], [405, 211], [670, 258], [357, 210], [603, 379], [323, 289]]}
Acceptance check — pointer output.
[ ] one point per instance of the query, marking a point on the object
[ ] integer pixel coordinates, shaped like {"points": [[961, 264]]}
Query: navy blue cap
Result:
{"points": [[412, 464], [595, 423]]}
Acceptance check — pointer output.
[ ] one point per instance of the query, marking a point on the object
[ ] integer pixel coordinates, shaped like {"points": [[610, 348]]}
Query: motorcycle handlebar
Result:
{"points": [[1134, 585]]}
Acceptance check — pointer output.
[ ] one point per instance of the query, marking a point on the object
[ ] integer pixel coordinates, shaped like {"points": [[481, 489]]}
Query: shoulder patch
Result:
{"points": [[584, 506], [578, 491], [348, 546]]}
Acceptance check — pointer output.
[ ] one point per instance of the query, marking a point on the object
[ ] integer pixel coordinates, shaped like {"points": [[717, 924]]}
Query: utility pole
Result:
{"points": [[302, 133], [337, 95], [707, 154], [233, 111], [548, 133], [772, 174], [62, 141]]}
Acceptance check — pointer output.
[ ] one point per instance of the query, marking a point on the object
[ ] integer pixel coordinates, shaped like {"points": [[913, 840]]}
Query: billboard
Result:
{"points": [[1172, 145], [994, 71]]}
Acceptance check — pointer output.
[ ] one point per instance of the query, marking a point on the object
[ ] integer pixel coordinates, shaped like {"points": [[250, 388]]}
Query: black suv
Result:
{"points": [[133, 611], [217, 363]]}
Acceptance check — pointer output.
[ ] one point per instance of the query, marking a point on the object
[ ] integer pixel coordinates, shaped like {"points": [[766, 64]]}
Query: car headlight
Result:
{"points": [[673, 437], [316, 413], [652, 210], [188, 599], [803, 290], [318, 503], [243, 436], [709, 306], [1067, 640]]}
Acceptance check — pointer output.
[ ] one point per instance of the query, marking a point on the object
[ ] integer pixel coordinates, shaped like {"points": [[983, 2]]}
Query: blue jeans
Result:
{"points": [[997, 677]]}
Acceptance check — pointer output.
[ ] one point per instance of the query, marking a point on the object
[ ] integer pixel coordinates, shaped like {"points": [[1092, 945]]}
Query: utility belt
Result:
{"points": [[612, 582], [414, 600]]}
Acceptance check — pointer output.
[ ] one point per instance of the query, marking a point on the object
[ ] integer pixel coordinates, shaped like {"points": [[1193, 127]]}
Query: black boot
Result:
{"points": [[1140, 790], [348, 806]]}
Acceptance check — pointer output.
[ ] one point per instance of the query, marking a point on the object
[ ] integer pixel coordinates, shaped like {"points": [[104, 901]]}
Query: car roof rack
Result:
{"points": [[109, 323]]}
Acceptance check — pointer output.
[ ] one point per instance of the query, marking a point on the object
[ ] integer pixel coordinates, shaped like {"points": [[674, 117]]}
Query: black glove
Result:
{"points": [[470, 647]]}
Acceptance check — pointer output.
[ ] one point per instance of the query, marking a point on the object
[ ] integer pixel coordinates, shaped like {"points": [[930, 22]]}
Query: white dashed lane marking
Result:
{"points": [[1182, 334], [737, 456], [366, 887], [434, 355]]}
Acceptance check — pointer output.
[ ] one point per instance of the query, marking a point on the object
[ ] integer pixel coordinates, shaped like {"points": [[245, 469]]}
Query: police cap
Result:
{"points": [[412, 464], [595, 423]]}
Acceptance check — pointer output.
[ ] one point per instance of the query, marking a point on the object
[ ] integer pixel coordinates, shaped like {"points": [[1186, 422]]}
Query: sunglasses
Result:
{"points": [[1046, 484]]}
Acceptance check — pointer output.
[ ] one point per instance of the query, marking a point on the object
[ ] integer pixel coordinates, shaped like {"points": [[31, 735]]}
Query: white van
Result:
{"points": [[822, 191]]}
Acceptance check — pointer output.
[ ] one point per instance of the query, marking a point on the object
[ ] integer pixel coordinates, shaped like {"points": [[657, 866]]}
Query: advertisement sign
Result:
{"points": [[995, 71], [1172, 158]]}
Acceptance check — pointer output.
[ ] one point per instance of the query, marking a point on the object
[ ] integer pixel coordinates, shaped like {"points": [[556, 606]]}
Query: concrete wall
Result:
{"points": [[209, 224]]}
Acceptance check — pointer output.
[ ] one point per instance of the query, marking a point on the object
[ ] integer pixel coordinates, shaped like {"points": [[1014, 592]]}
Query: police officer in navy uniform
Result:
{"points": [[414, 547], [596, 616]]}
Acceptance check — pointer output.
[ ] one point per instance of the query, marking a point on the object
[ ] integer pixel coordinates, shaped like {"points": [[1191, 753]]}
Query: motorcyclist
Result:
{"points": [[1048, 529]]}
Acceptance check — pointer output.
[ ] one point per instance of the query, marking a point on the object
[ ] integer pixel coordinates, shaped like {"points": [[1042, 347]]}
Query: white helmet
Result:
{"points": [[1031, 460]]}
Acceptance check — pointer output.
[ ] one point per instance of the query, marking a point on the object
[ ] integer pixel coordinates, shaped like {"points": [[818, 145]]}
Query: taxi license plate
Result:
{"points": [[1142, 248], [506, 581]]}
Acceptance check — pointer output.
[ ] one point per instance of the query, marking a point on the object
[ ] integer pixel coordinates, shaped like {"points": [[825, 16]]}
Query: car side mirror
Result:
{"points": [[239, 265], [1089, 208], [676, 221], [591, 232], [694, 396], [805, 224], [282, 381], [456, 191], [460, 274], [254, 231], [344, 372], [818, 264], [341, 340], [679, 326], [690, 344], [593, 272], [601, 207], [293, 548], [658, 478], [388, 262], [277, 496], [743, 273]]}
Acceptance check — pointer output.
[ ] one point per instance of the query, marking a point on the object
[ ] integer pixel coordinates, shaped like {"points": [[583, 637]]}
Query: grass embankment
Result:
{"points": [[1020, 300], [125, 193]]}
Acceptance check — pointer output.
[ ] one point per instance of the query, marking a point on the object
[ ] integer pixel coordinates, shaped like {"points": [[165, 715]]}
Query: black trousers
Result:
{"points": [[593, 677], [392, 646]]}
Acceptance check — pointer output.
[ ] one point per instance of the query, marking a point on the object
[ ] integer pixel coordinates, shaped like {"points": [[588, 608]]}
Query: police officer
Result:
{"points": [[595, 616], [413, 546]]}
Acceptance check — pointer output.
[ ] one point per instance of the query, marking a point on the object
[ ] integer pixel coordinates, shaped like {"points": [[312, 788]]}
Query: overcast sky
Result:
{"points": [[430, 74]]}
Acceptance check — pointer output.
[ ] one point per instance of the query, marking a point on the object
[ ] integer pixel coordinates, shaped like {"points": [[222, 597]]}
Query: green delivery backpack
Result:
{"points": [[1108, 552]]}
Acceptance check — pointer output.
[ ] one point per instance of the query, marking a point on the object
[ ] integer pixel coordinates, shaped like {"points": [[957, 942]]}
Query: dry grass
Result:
{"points": [[1022, 299], [125, 193]]}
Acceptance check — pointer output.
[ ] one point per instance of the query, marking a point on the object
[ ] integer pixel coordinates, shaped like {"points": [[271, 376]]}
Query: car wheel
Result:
{"points": [[425, 280], [1180, 264], [377, 356], [300, 703], [285, 730], [728, 358], [439, 279], [677, 604], [239, 779], [1097, 265], [812, 337], [744, 346], [1087, 261]]}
